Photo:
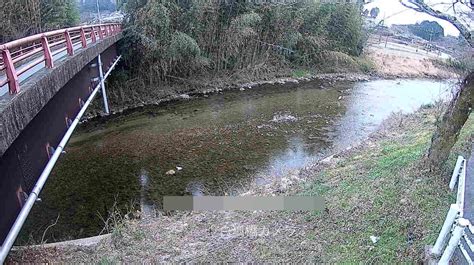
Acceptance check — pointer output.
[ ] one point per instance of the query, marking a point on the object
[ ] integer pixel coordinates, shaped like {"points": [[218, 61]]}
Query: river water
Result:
{"points": [[214, 145]]}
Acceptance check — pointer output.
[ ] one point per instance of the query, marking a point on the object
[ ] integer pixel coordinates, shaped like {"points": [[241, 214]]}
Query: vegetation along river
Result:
{"points": [[217, 144]]}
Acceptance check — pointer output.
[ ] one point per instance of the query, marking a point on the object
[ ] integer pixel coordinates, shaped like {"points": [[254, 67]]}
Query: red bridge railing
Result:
{"points": [[21, 55]]}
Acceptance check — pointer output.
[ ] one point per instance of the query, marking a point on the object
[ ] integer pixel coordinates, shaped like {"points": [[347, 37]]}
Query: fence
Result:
{"points": [[455, 225], [21, 55]]}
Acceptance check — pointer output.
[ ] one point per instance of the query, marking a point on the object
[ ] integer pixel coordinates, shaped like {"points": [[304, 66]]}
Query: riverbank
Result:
{"points": [[402, 61], [379, 188], [158, 97], [376, 63]]}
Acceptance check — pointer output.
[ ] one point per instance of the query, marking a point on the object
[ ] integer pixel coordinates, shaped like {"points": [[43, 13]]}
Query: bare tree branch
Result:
{"points": [[421, 6]]}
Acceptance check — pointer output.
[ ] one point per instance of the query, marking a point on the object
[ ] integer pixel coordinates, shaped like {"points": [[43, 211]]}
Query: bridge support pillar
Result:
{"points": [[102, 85]]}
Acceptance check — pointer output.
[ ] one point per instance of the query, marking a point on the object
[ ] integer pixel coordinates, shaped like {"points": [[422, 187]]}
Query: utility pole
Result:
{"points": [[98, 12]]}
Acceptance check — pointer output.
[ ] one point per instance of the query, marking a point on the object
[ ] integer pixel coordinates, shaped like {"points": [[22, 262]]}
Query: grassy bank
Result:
{"points": [[382, 189], [379, 188]]}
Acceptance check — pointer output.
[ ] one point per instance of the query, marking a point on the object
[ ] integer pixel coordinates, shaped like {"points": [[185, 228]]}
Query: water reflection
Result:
{"points": [[371, 102]]}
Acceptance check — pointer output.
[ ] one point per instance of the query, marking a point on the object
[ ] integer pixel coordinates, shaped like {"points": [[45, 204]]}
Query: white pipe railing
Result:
{"points": [[21, 218], [457, 168], [453, 213], [461, 187], [454, 222], [454, 241]]}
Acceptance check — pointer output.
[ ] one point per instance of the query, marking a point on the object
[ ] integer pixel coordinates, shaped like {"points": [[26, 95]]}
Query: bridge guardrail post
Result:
{"points": [[83, 38], [93, 37], [101, 33], [70, 49], [13, 85], [48, 58]]}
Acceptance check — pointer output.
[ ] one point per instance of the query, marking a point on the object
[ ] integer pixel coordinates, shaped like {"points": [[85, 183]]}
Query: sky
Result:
{"points": [[396, 13]]}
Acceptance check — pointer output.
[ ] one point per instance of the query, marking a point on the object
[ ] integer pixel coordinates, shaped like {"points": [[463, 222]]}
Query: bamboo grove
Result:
{"points": [[183, 38]]}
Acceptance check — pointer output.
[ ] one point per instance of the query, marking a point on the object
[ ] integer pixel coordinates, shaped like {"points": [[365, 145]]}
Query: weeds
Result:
{"points": [[116, 222], [385, 191], [298, 73], [461, 66]]}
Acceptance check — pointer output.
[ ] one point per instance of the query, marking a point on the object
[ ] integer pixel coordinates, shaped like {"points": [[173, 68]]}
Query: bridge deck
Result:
{"points": [[40, 85], [5, 97]]}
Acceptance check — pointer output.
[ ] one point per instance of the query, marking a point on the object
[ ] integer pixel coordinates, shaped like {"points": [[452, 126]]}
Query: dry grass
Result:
{"points": [[402, 65], [378, 188]]}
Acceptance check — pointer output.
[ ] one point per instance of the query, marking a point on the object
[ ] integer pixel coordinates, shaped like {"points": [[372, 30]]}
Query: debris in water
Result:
{"points": [[179, 168], [284, 118], [170, 172], [374, 239]]}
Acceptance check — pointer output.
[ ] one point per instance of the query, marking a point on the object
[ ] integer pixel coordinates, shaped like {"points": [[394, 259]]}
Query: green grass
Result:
{"points": [[394, 157], [106, 261], [384, 191], [365, 64], [298, 73]]}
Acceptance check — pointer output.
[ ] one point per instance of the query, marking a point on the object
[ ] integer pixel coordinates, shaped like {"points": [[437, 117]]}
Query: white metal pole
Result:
{"points": [[21, 218], [454, 241], [455, 175], [461, 188], [448, 224], [102, 85]]}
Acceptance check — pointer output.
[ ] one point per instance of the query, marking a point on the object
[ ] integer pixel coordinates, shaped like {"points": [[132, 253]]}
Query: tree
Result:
{"points": [[374, 12], [459, 108], [428, 30], [91, 5], [56, 14], [27, 17]]}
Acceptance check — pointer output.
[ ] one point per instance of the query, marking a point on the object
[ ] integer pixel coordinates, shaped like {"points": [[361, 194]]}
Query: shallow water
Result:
{"points": [[214, 145]]}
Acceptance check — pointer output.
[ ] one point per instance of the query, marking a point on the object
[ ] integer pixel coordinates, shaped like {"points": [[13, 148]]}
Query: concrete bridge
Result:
{"points": [[46, 83]]}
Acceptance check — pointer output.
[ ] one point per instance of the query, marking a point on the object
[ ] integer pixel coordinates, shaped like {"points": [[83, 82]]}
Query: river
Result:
{"points": [[217, 144]]}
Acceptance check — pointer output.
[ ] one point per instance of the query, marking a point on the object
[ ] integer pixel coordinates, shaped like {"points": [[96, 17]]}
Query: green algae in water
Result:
{"points": [[221, 144]]}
